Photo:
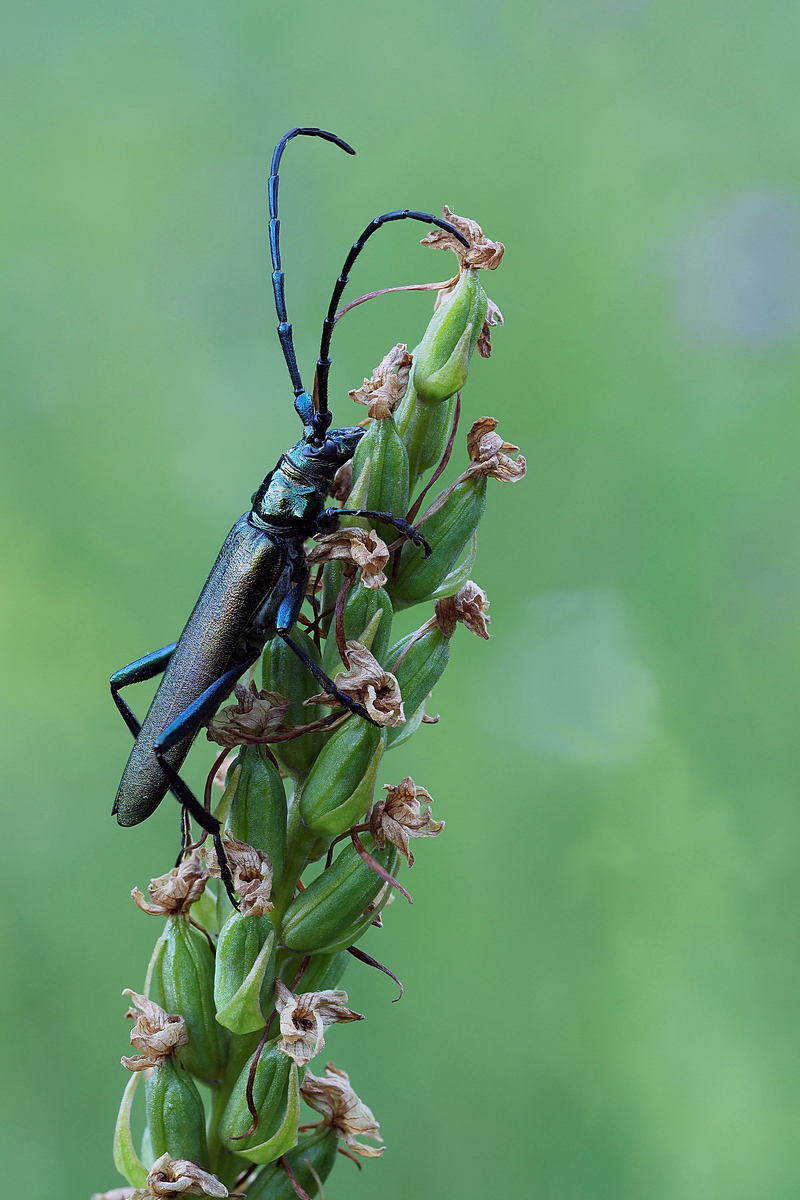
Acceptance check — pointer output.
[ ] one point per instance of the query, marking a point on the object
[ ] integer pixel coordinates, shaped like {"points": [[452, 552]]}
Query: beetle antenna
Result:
{"points": [[324, 362], [284, 328]]}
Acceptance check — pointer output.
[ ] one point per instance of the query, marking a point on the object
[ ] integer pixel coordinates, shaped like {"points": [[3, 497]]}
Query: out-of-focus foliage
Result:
{"points": [[601, 974]]}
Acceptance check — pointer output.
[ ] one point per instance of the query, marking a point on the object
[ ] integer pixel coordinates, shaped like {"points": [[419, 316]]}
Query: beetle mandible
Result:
{"points": [[257, 585]]}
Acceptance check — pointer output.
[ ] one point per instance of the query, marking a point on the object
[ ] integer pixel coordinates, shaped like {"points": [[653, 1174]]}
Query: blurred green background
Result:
{"points": [[601, 963]]}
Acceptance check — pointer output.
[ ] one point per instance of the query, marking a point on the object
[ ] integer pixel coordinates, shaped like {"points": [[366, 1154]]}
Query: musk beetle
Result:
{"points": [[258, 583]]}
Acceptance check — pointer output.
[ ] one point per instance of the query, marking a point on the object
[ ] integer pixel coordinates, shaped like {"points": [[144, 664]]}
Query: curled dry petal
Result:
{"points": [[489, 454], [342, 484], [353, 548], [158, 1034], [481, 253], [173, 894], [180, 1177], [368, 683], [470, 605], [341, 1109], [493, 317], [253, 716], [401, 816], [304, 1017], [252, 874], [388, 384]]}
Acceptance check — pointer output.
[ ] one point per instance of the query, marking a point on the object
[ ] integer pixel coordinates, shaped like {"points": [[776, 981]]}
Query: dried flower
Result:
{"points": [[341, 1109], [304, 1017], [388, 384], [490, 454], [173, 894], [470, 604], [353, 548], [179, 1177], [493, 317], [252, 874], [253, 716], [481, 252], [342, 484], [401, 816], [158, 1034], [368, 683]]}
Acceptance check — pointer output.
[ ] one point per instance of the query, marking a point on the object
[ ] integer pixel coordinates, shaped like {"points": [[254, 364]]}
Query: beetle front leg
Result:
{"points": [[328, 522]]}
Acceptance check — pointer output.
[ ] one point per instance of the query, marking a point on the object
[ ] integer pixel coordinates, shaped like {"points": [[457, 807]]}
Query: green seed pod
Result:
{"points": [[277, 1101], [323, 972], [258, 810], [176, 1119], [382, 446], [421, 667], [282, 671], [339, 788], [245, 973], [448, 530], [426, 433], [311, 1163], [184, 977], [441, 360], [360, 606], [324, 915]]}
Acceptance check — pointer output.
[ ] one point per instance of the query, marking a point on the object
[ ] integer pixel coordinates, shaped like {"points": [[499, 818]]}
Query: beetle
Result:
{"points": [[258, 583]]}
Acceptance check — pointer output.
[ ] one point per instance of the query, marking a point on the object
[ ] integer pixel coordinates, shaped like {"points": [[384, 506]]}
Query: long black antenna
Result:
{"points": [[284, 328], [324, 362]]}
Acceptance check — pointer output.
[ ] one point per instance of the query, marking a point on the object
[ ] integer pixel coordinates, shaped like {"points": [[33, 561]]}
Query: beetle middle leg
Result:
{"points": [[287, 615]]}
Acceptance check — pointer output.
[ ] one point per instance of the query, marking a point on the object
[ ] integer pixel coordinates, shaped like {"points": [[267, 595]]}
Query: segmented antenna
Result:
{"points": [[324, 362], [284, 328]]}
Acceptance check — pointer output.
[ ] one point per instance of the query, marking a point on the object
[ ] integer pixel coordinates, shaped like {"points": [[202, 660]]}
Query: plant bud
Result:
{"points": [[322, 918], [258, 810], [184, 977], [339, 788], [283, 672], [425, 434], [175, 1115], [311, 1163], [421, 666], [277, 1102], [360, 606], [442, 358], [323, 973], [388, 474], [245, 973], [448, 529]]}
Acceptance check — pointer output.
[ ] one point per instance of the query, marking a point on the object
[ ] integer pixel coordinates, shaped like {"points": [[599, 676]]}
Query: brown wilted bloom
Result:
{"points": [[341, 1109], [158, 1034], [481, 252], [384, 391], [173, 894], [252, 874], [304, 1017], [493, 317], [254, 715], [470, 605], [490, 454], [342, 484], [368, 683], [179, 1177], [401, 816], [353, 548]]}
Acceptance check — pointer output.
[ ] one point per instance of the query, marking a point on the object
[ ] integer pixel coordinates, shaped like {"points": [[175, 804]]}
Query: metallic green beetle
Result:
{"points": [[257, 585]]}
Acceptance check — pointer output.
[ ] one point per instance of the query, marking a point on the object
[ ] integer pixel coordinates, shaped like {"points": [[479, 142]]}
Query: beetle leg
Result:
{"points": [[137, 672], [328, 522], [287, 615]]}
